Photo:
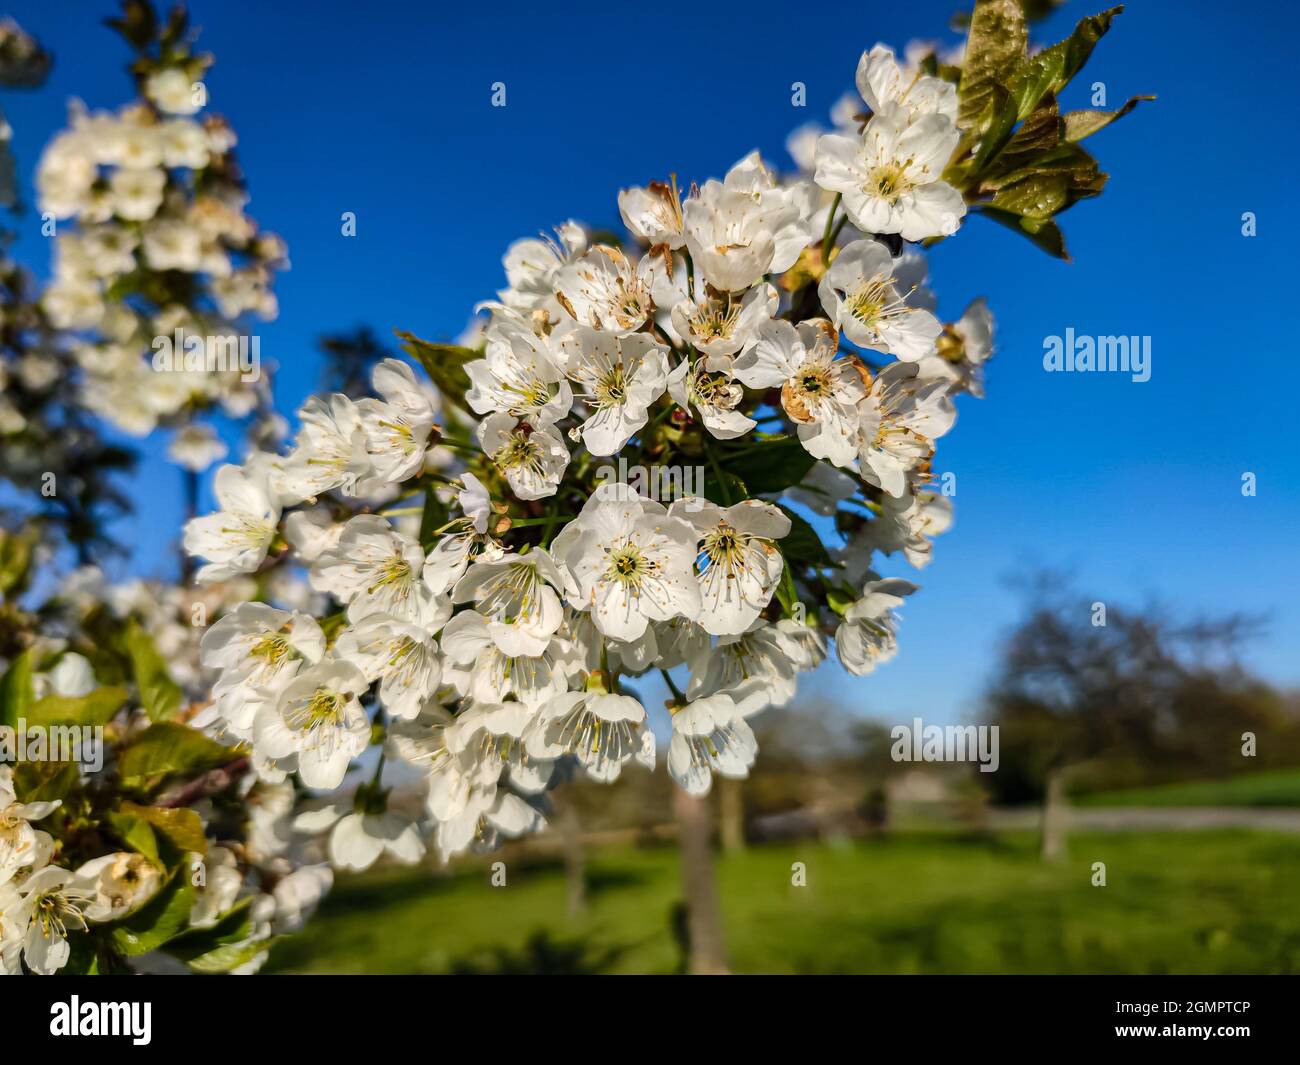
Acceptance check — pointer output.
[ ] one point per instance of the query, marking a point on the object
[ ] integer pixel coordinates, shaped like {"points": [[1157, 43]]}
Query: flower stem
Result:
{"points": [[828, 236], [672, 687], [548, 519]]}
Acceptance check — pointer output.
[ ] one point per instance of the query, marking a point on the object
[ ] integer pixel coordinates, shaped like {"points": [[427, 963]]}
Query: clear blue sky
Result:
{"points": [[383, 109]]}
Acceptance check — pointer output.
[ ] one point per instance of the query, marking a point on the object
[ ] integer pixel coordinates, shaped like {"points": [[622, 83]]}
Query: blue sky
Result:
{"points": [[1133, 487]]}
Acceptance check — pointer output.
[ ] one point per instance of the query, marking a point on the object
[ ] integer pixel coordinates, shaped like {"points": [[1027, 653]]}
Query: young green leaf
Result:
{"points": [[16, 690], [159, 694], [167, 748], [1047, 235], [93, 708], [995, 46], [1052, 69], [445, 365], [1081, 124], [162, 918]]}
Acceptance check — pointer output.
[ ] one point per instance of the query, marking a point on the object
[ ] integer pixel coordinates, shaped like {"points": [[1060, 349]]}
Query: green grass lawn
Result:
{"points": [[1189, 902], [1277, 787]]}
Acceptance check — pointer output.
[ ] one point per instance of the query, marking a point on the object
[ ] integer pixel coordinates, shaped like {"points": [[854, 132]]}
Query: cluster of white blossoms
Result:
{"points": [[262, 867], [156, 261], [777, 332], [44, 905]]}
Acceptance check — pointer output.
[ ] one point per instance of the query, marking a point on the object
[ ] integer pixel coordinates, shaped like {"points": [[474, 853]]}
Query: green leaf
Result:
{"points": [[210, 949], [162, 918], [83, 957], [995, 46], [1039, 133], [723, 487], [179, 826], [1081, 124], [44, 781], [1047, 235], [159, 694], [1068, 159], [15, 561], [1052, 69], [445, 365], [998, 134], [136, 833], [223, 959], [786, 593], [16, 690], [801, 543], [771, 466], [838, 601], [94, 708], [138, 23], [1037, 197], [168, 748]]}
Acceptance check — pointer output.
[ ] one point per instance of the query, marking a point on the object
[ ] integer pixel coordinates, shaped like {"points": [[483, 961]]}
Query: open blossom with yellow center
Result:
{"points": [[867, 296], [329, 452], [605, 290], [890, 177], [738, 563], [531, 458], [709, 736], [722, 324], [899, 420], [518, 375], [235, 539], [712, 397], [20, 842], [602, 730], [654, 213], [376, 570], [819, 389], [397, 428], [36, 917], [631, 560], [403, 657], [753, 667], [318, 721], [476, 667], [618, 378], [519, 596], [867, 636]]}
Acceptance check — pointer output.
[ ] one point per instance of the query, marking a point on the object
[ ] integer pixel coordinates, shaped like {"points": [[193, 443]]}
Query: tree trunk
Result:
{"points": [[706, 948], [575, 862], [1054, 816], [731, 794]]}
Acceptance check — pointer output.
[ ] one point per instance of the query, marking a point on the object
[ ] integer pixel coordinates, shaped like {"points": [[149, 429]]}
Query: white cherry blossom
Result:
{"points": [[891, 176], [867, 638], [709, 736], [397, 427], [618, 379], [375, 569], [519, 375], [632, 562], [739, 564], [820, 391], [317, 720], [235, 539], [901, 417], [606, 291], [402, 656], [862, 296]]}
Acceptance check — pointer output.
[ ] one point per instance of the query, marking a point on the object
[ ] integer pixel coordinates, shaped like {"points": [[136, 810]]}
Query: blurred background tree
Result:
{"points": [[1092, 695]]}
